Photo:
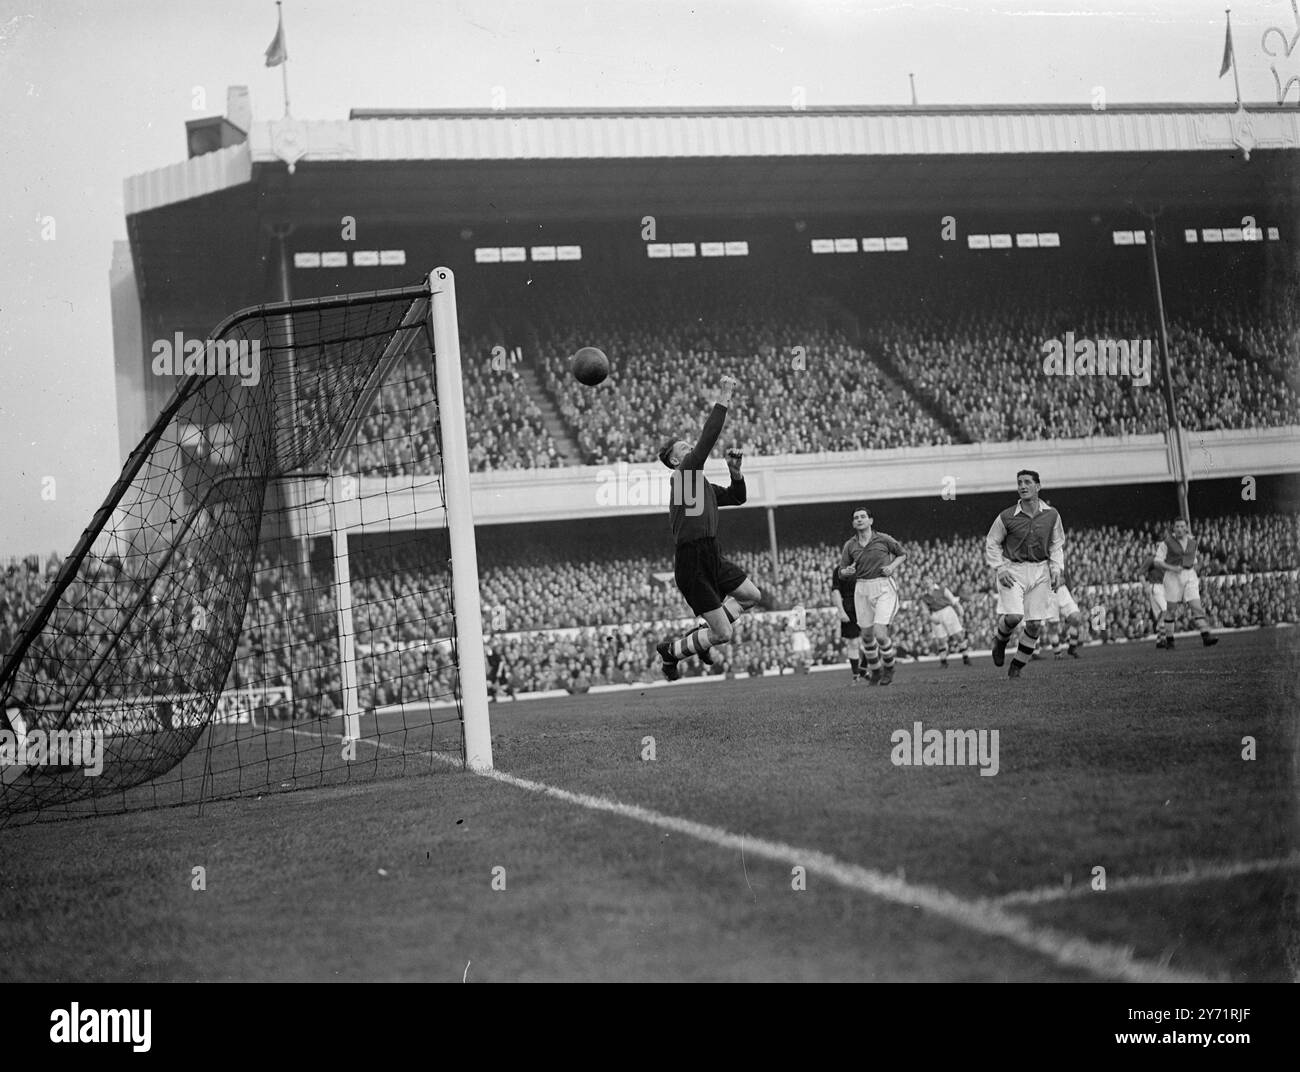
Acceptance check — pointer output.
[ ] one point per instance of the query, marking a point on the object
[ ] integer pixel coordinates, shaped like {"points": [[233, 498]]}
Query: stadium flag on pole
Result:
{"points": [[275, 51], [277, 55], [1230, 58]]}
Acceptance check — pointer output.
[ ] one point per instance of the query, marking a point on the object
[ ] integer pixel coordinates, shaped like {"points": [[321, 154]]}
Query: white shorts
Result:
{"points": [[1065, 603], [876, 601], [1183, 586], [1030, 596], [1159, 604], [800, 644], [945, 623]]}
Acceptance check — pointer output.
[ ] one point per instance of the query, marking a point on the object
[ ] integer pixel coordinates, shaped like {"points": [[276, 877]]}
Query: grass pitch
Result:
{"points": [[1129, 760]]}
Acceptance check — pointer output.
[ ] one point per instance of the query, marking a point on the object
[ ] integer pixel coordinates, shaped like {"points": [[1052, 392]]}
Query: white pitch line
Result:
{"points": [[982, 917], [1190, 877]]}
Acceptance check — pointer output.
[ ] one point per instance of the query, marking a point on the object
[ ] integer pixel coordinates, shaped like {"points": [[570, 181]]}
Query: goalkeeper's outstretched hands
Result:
{"points": [[726, 385]]}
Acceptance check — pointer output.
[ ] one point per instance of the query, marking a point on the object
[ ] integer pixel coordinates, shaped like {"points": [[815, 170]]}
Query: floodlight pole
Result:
{"points": [[1179, 453], [771, 539], [471, 664]]}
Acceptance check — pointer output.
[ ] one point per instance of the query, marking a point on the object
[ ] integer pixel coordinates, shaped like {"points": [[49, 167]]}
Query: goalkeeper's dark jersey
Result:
{"points": [[693, 509]]}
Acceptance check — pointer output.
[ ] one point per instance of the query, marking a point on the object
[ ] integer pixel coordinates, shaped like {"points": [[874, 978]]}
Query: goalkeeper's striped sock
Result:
{"points": [[696, 642]]}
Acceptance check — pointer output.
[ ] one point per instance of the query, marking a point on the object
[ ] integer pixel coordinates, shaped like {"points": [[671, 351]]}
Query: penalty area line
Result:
{"points": [[1189, 877], [982, 917]]}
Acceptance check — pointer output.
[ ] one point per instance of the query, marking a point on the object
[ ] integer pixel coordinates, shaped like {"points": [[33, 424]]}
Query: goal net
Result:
{"points": [[252, 608]]}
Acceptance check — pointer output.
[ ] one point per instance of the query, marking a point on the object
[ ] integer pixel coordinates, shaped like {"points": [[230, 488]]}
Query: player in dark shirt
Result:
{"points": [[872, 558], [945, 623], [498, 673], [1176, 557], [717, 590], [1025, 548]]}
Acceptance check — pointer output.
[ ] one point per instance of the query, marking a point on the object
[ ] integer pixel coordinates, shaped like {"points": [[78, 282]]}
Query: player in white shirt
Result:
{"points": [[1097, 622], [799, 645]]}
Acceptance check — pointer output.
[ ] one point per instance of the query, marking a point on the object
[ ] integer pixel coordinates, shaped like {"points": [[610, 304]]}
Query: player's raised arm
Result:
{"points": [[712, 427]]}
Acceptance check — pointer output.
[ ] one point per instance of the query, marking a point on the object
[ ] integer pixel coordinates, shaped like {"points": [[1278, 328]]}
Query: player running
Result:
{"points": [[872, 558], [1025, 548], [842, 599], [1097, 622], [716, 589], [1176, 556], [1063, 608], [1155, 581], [945, 623]]}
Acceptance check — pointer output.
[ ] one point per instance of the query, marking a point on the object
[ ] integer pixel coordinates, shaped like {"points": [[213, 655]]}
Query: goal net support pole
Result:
{"points": [[472, 665], [346, 630]]}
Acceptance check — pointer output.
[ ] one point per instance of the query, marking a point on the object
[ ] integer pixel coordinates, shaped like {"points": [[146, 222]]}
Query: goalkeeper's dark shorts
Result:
{"points": [[850, 630], [703, 576]]}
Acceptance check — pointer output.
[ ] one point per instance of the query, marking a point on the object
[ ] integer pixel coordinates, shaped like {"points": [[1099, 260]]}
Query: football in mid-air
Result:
{"points": [[590, 366]]}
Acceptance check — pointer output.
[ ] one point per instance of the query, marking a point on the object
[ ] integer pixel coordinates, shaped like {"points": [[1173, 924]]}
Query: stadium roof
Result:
{"points": [[477, 167], [842, 135]]}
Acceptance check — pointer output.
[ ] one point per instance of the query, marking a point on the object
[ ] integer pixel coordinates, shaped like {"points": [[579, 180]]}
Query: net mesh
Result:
{"points": [[214, 599]]}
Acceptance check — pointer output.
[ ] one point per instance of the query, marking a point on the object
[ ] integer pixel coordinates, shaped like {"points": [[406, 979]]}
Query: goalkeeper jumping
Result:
{"points": [[717, 590]]}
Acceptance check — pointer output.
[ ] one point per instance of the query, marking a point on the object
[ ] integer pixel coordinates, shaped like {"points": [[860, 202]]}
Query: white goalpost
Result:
{"points": [[443, 327], [460, 520]]}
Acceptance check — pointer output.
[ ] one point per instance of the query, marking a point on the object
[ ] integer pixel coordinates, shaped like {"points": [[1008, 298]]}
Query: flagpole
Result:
{"points": [[1235, 82], [284, 67]]}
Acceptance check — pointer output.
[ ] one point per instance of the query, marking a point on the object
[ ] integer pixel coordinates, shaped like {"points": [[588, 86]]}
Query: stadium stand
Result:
{"points": [[882, 362], [573, 617]]}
